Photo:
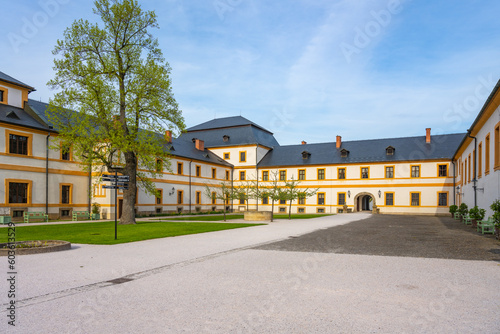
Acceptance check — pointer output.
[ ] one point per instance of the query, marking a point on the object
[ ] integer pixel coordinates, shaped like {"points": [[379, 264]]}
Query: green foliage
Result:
{"points": [[495, 206], [463, 209], [453, 209], [96, 208], [477, 213], [115, 96]]}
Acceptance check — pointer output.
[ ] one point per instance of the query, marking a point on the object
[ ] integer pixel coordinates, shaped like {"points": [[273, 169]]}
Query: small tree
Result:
{"points": [[463, 209], [275, 191], [495, 206], [223, 191], [292, 193], [245, 191]]}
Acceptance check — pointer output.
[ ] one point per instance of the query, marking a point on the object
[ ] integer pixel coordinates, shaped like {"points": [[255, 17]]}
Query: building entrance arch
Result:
{"points": [[364, 202]]}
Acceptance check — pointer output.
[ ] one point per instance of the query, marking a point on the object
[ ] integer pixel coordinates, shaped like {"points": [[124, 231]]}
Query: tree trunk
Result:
{"points": [[290, 211], [129, 195], [224, 211], [272, 209]]}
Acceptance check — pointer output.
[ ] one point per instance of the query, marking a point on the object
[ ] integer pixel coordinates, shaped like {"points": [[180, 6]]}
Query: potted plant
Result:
{"points": [[463, 210], [476, 214], [95, 211], [496, 217], [453, 209], [4, 216]]}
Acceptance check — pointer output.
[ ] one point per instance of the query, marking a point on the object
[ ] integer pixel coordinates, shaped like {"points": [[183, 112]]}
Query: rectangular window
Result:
{"points": [[282, 201], [198, 197], [389, 199], [389, 172], [243, 156], [159, 165], [321, 198], [415, 199], [214, 197], [321, 210], [282, 175], [66, 153], [242, 199], [468, 170], [159, 199], [480, 160], [301, 210], [227, 155], [302, 199], [18, 192], [2, 96], [265, 175], [442, 199], [18, 144], [282, 209], [265, 200], [442, 170], [198, 171], [341, 198], [179, 168], [180, 196], [365, 174], [487, 155], [341, 173], [415, 171], [302, 174], [227, 175], [321, 174], [65, 194], [214, 173], [497, 146], [242, 176], [465, 172]]}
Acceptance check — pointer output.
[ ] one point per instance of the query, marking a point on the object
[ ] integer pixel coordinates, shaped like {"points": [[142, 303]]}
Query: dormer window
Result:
{"points": [[344, 153], [225, 138], [390, 150], [2, 95], [305, 155], [194, 140]]}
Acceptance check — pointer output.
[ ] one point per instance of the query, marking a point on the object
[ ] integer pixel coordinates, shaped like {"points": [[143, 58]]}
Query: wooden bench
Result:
{"points": [[486, 226], [467, 220], [35, 215], [78, 214]]}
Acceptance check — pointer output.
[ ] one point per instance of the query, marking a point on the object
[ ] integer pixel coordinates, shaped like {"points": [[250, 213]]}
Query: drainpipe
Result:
{"points": [[90, 188], [232, 190], [257, 175], [190, 185], [47, 175], [454, 182], [475, 166]]}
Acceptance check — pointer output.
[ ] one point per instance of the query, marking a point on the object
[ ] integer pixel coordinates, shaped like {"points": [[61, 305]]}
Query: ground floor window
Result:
{"points": [[443, 199], [389, 199], [301, 210], [321, 210], [282, 209], [18, 192], [415, 199]]}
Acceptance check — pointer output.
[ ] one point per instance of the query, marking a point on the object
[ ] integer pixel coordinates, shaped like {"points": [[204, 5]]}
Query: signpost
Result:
{"points": [[117, 182]]}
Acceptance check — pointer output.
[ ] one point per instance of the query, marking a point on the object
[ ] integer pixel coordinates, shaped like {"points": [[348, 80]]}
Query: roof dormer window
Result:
{"points": [[225, 138], [390, 150], [305, 155], [344, 153], [1, 95]]}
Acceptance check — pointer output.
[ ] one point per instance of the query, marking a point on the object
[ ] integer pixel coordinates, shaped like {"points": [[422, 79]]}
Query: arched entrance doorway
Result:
{"points": [[364, 202]]}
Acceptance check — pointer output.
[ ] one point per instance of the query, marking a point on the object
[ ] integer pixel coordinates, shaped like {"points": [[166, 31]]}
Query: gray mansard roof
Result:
{"points": [[12, 80], [365, 151], [239, 131], [21, 117]]}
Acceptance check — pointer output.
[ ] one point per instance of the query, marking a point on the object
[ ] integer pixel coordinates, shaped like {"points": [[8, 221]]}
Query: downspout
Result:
{"points": [[454, 182], [47, 175], [257, 176], [475, 166], [190, 185], [232, 190], [90, 188]]}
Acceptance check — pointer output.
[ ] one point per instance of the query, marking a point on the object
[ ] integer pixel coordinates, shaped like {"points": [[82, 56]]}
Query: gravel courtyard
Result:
{"points": [[353, 273]]}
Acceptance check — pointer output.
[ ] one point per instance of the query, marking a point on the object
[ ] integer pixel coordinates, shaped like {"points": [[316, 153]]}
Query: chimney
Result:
{"points": [[428, 135], [200, 145], [339, 141], [168, 136], [303, 142]]}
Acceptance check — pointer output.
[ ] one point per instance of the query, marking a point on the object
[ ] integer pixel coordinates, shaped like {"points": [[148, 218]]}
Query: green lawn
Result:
{"points": [[103, 233], [240, 216]]}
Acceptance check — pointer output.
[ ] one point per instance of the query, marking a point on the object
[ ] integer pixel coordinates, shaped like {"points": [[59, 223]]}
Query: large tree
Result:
{"points": [[115, 97]]}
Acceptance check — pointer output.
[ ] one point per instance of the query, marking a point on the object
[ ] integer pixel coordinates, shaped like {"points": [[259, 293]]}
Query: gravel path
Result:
{"points": [[224, 282]]}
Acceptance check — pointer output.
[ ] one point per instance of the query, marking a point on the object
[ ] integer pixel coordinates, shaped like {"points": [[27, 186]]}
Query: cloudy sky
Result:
{"points": [[304, 69]]}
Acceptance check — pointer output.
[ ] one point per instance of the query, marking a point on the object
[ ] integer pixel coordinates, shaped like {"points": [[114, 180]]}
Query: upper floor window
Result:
{"points": [[214, 173], [365, 172], [227, 155], [179, 168], [265, 175], [159, 165], [198, 171], [18, 144], [389, 172], [442, 170], [321, 174], [243, 156], [282, 175], [302, 174], [65, 194], [242, 176], [302, 199], [415, 171], [341, 173], [227, 175]]}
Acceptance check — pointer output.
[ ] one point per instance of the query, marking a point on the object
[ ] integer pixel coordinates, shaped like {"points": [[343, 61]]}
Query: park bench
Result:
{"points": [[467, 220], [78, 214], [486, 226], [35, 215]]}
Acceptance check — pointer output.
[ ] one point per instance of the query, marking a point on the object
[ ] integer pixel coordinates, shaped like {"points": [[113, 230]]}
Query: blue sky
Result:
{"points": [[306, 70]]}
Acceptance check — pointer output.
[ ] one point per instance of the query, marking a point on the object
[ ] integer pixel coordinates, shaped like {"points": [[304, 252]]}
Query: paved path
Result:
{"points": [[220, 282]]}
